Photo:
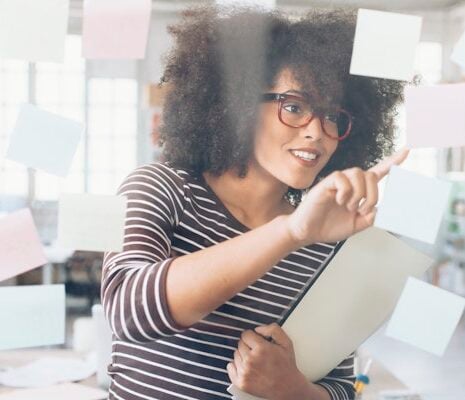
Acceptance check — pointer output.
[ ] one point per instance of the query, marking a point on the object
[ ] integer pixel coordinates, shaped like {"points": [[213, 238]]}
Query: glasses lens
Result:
{"points": [[337, 124], [295, 112]]}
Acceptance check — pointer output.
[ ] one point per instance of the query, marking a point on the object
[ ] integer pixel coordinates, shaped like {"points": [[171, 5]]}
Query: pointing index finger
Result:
{"points": [[382, 168]]}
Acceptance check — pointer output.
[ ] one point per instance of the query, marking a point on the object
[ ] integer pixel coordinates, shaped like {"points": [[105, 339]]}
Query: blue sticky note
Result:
{"points": [[413, 205], [32, 316], [44, 140], [426, 316]]}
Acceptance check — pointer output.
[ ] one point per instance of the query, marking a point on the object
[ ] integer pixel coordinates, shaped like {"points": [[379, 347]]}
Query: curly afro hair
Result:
{"points": [[223, 59]]}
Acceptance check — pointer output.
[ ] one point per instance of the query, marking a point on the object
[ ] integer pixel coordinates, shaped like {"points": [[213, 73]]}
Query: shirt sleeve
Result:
{"points": [[340, 381], [134, 280]]}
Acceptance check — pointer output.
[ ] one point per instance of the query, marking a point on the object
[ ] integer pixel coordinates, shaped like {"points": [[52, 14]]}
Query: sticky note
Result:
{"points": [[32, 316], [20, 247], [44, 140], [384, 44], [68, 391], [33, 30], [91, 222], [435, 115], [458, 54], [413, 205], [115, 29], [426, 316]]}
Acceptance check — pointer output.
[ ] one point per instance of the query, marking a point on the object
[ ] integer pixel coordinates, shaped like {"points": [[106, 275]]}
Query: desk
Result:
{"points": [[16, 358], [381, 379]]}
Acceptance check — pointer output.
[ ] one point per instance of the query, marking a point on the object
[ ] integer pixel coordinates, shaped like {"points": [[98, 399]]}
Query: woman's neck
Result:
{"points": [[254, 200]]}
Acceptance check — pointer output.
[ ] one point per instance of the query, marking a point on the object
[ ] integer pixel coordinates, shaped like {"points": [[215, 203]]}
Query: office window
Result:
{"points": [[13, 92], [60, 88], [112, 130], [107, 108]]}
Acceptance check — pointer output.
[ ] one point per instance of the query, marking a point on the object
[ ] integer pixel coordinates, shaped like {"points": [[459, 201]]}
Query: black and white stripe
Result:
{"points": [[171, 212]]}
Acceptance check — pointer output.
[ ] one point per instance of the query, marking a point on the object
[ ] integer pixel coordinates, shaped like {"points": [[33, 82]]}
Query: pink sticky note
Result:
{"points": [[435, 115], [20, 247], [115, 29]]}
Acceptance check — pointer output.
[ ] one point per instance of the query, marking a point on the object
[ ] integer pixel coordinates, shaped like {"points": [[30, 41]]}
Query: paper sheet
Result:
{"points": [[413, 205], [44, 140], [32, 316], [426, 316], [33, 30], [368, 273], [20, 247], [67, 391], [434, 115], [115, 29], [48, 371], [91, 222], [384, 44]]}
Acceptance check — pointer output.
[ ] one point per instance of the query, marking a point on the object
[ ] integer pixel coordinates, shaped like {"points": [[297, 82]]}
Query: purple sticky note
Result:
{"points": [[115, 29], [20, 247], [435, 115]]}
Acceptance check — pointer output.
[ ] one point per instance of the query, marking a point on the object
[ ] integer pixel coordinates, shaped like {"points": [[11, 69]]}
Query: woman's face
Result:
{"points": [[280, 149]]}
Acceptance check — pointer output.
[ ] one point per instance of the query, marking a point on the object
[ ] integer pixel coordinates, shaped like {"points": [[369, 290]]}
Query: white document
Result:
{"points": [[33, 30], [48, 371], [458, 54], [64, 391], [349, 301], [426, 316], [413, 205], [385, 44], [91, 222], [32, 316], [44, 140]]}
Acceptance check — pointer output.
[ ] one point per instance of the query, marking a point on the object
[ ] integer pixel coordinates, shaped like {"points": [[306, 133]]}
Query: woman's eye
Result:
{"points": [[331, 117], [293, 108]]}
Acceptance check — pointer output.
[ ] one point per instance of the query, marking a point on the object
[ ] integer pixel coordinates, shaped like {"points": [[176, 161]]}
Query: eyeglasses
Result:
{"points": [[296, 112]]}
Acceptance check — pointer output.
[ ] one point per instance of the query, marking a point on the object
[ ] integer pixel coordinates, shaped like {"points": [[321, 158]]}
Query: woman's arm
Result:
{"points": [[200, 282]]}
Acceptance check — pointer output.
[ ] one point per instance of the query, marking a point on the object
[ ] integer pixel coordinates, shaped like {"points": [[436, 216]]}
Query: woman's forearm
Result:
{"points": [[200, 282], [300, 388]]}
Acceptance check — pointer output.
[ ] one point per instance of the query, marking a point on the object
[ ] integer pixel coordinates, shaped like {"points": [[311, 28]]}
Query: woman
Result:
{"points": [[218, 239]]}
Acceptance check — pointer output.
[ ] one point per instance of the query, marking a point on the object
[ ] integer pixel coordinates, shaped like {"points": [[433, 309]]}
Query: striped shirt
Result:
{"points": [[172, 212]]}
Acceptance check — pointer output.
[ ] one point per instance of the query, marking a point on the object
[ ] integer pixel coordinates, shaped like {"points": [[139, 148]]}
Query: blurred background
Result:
{"points": [[121, 106]]}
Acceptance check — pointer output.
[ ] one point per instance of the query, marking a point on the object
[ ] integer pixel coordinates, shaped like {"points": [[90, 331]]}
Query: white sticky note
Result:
{"points": [[435, 116], [68, 391], [385, 44], [20, 247], [44, 140], [91, 222], [426, 316], [33, 30], [458, 54], [32, 316], [413, 205], [115, 29], [267, 4]]}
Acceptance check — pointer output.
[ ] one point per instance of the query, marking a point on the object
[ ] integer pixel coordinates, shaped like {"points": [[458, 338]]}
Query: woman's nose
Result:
{"points": [[313, 130]]}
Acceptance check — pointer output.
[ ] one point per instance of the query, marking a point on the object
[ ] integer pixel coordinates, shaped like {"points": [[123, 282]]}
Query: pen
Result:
{"points": [[362, 379]]}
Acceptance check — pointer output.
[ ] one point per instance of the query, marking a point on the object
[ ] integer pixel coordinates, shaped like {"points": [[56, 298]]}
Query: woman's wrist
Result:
{"points": [[293, 238], [296, 388]]}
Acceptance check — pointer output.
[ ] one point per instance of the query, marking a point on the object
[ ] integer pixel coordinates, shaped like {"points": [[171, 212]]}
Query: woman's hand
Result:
{"points": [[340, 205], [263, 368]]}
